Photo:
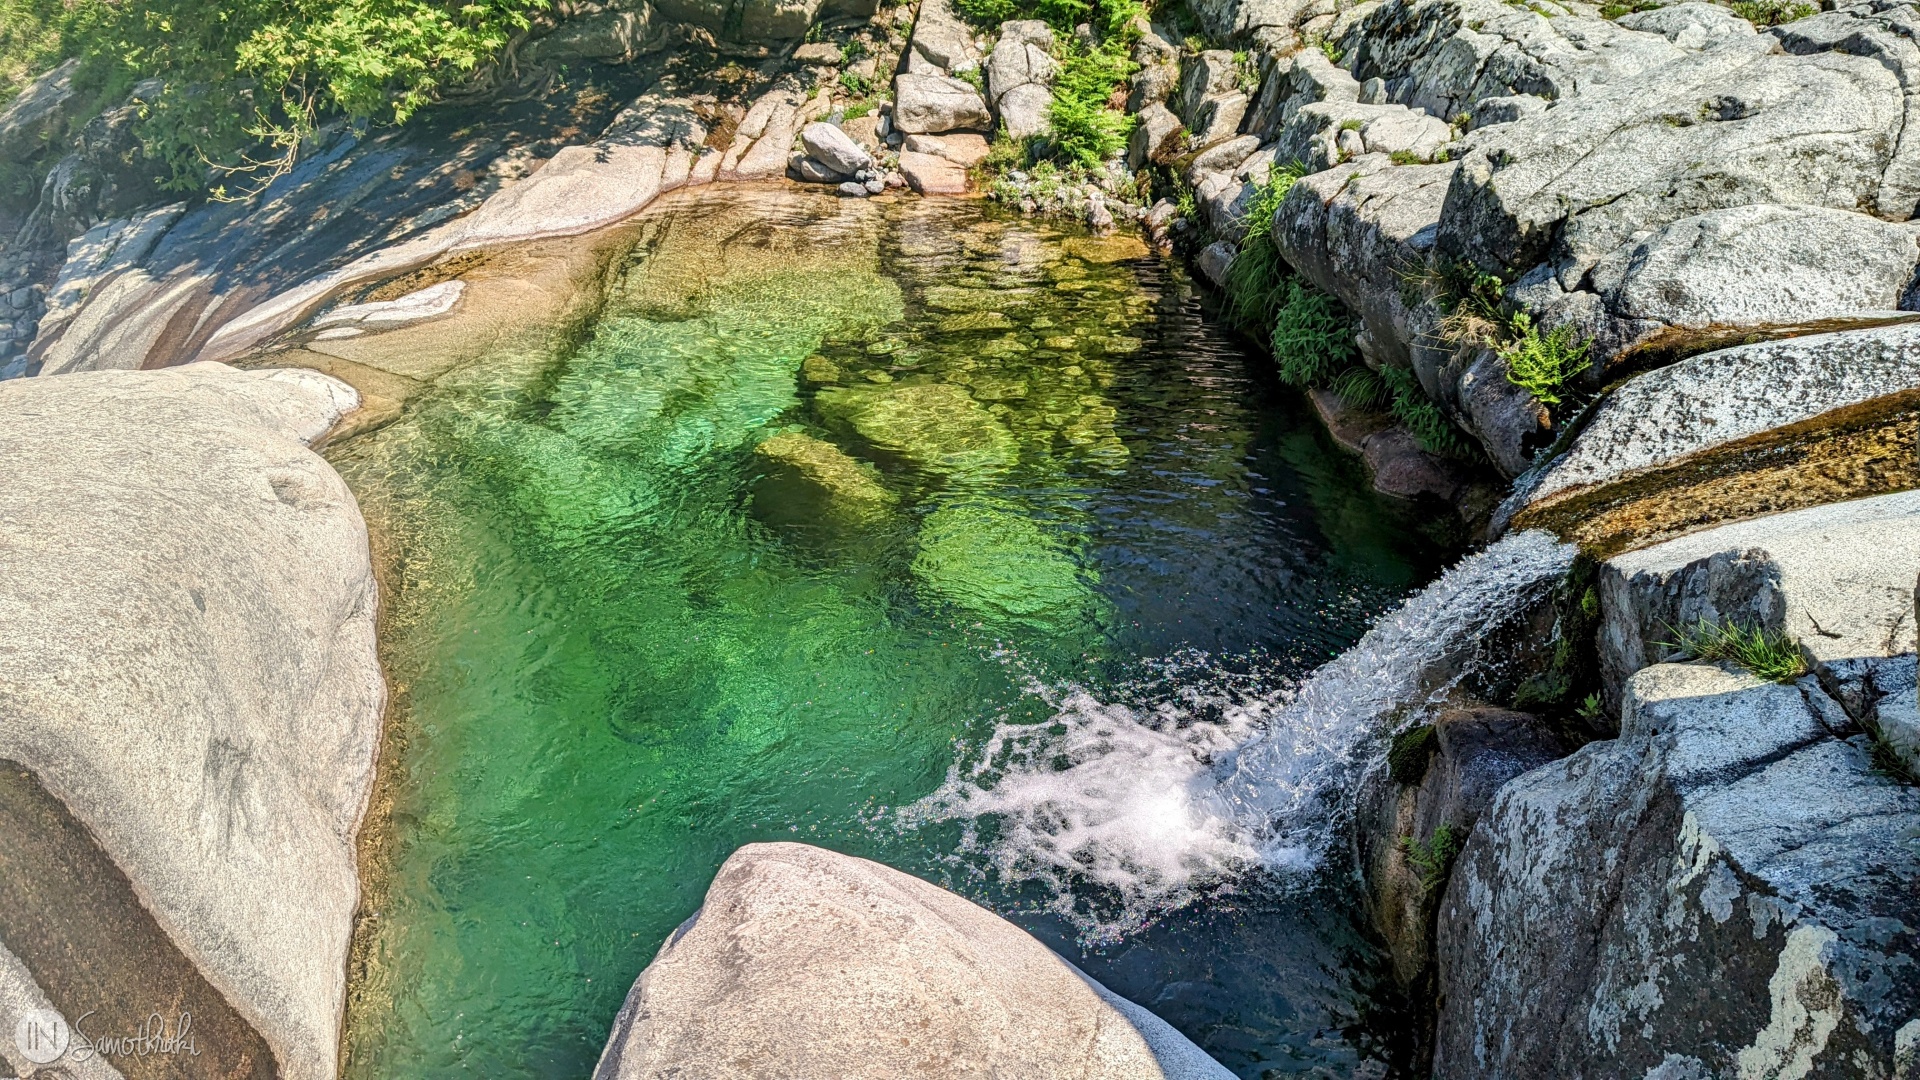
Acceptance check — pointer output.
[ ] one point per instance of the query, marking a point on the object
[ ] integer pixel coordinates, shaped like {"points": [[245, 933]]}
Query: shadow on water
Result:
{"points": [[837, 518]]}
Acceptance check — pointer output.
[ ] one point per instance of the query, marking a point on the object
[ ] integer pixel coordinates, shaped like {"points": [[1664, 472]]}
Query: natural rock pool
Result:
{"points": [[905, 528]]}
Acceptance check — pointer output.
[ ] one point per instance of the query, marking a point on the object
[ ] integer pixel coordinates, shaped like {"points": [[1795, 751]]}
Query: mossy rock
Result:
{"points": [[938, 427], [990, 558], [1120, 247], [960, 298], [973, 321], [842, 481]]}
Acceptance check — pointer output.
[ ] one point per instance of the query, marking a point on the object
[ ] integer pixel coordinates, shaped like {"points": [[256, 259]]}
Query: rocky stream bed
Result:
{"points": [[715, 514]]}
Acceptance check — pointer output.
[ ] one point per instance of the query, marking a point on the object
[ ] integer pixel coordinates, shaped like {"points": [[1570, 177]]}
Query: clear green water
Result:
{"points": [[825, 492]]}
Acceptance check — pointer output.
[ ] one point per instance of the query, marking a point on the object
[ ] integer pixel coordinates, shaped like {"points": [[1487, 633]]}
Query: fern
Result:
{"points": [[1542, 364], [1312, 336]]}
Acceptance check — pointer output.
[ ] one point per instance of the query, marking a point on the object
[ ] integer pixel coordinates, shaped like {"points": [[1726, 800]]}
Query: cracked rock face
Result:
{"points": [[1727, 889], [1751, 430], [1837, 578]]}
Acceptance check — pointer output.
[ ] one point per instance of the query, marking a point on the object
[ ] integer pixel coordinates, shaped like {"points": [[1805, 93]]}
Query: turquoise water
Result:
{"points": [[825, 496]]}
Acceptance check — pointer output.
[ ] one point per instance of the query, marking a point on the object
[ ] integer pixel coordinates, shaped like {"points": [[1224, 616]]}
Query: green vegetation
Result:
{"points": [[1434, 859], [1592, 709], [1410, 753], [1765, 13], [855, 85], [1473, 303], [1312, 332], [1627, 7], [1086, 132], [1257, 278], [1890, 762], [1540, 363], [1312, 336], [1769, 654], [1419, 415], [247, 81]]}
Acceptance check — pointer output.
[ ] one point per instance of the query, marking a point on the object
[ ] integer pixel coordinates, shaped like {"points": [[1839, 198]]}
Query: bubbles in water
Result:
{"points": [[1104, 805], [1124, 811]]}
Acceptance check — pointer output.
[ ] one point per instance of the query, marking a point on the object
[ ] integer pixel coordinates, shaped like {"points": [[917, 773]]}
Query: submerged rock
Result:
{"points": [[843, 482], [1727, 889], [931, 426], [805, 963], [190, 666], [990, 558]]}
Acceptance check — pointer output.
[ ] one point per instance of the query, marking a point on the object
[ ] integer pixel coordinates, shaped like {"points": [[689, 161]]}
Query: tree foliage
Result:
{"points": [[246, 81]]}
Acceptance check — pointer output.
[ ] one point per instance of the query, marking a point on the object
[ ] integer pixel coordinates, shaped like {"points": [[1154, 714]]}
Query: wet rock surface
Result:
{"points": [[1742, 431]]}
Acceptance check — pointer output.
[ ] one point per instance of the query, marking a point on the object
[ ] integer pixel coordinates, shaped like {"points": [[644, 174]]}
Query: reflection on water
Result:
{"points": [[827, 503]]}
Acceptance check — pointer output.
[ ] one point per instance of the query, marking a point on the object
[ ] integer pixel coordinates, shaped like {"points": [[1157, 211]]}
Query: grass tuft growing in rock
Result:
{"points": [[1768, 654], [1257, 278], [1417, 412]]}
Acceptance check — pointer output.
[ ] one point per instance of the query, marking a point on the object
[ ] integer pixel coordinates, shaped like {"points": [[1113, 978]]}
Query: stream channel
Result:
{"points": [[907, 528]]}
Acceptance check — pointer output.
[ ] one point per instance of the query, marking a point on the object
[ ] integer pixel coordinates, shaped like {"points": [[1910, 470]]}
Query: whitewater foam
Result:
{"points": [[1150, 805]]}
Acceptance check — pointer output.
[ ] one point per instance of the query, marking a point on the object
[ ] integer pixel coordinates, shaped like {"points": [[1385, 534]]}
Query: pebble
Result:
{"points": [[853, 190]]}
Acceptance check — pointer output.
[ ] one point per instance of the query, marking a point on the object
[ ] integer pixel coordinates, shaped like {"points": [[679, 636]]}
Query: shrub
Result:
{"points": [[1085, 131], [1417, 412], [1312, 336], [854, 84], [1768, 654], [1541, 364], [1257, 278], [1765, 13]]}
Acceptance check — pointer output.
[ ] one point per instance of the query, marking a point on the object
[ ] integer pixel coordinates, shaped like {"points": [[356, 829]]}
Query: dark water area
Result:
{"points": [[835, 514]]}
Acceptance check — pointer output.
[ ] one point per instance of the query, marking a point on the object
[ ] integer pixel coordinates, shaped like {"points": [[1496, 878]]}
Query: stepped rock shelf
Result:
{"points": [[733, 473]]}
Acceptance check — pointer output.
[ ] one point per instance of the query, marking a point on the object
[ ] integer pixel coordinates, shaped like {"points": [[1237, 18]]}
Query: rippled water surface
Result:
{"points": [[907, 529]]}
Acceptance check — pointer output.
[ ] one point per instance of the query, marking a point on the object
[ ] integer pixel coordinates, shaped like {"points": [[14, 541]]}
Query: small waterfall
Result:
{"points": [[1150, 804], [1286, 785]]}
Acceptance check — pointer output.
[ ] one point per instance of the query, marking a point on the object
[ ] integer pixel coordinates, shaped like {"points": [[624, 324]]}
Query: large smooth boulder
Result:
{"points": [[1727, 889], [189, 665], [1838, 579], [933, 104], [1743, 431], [803, 962]]}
